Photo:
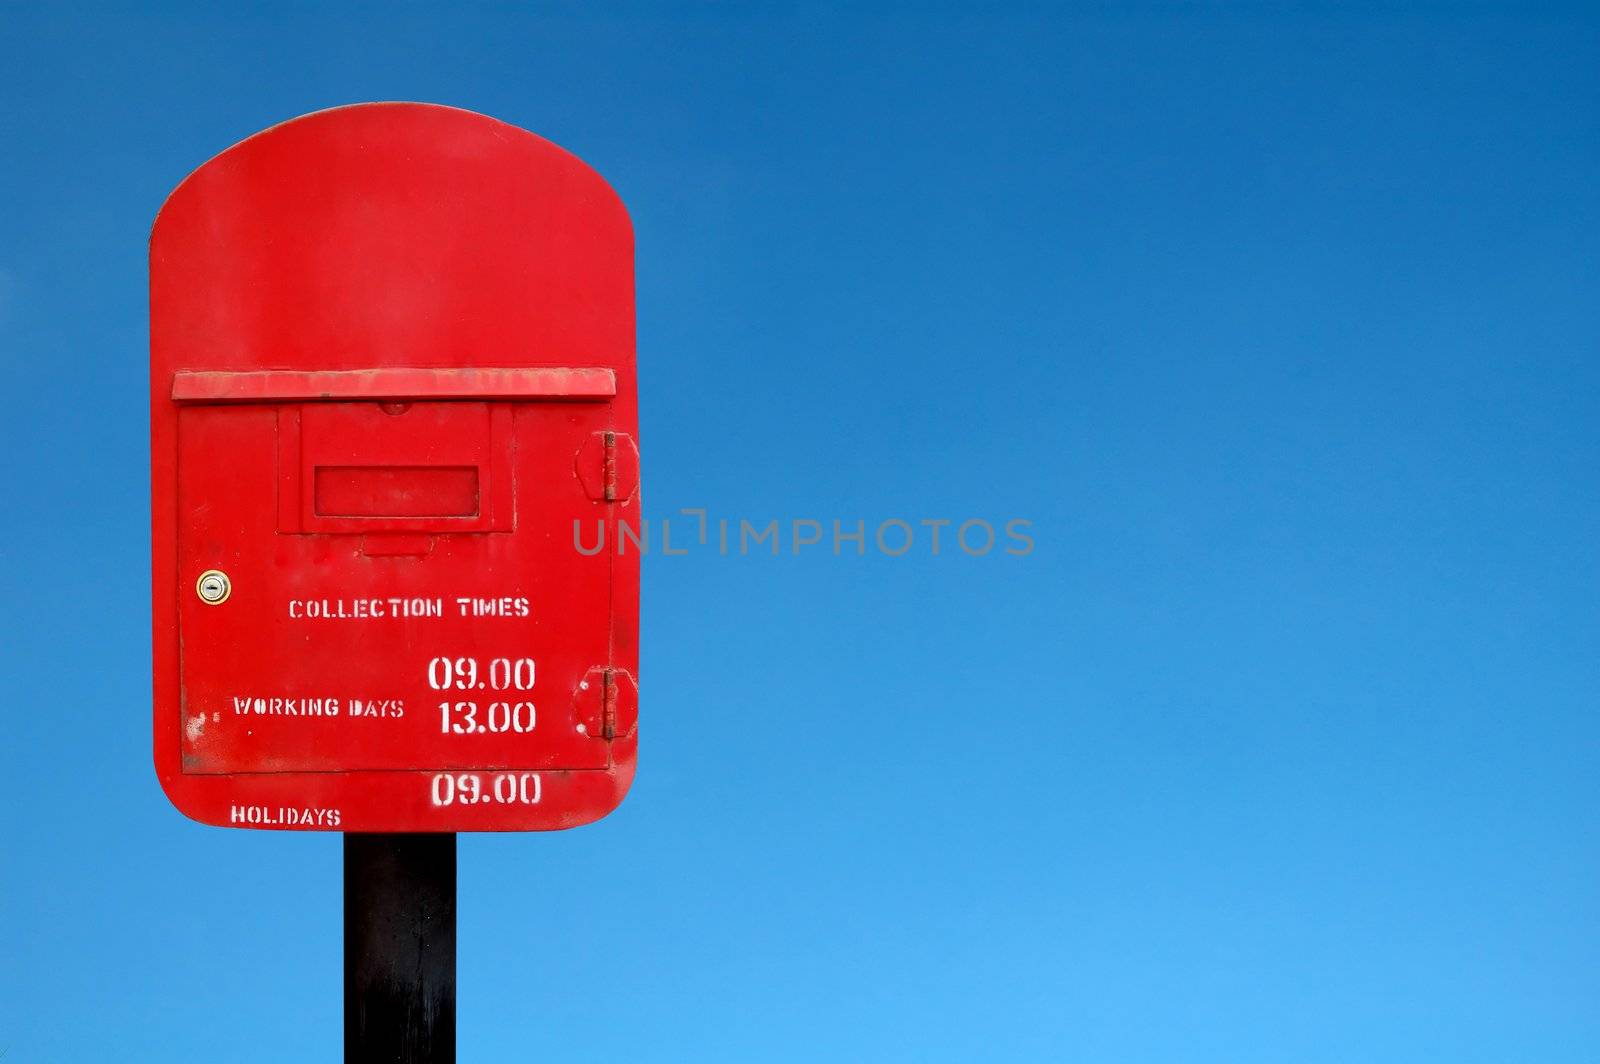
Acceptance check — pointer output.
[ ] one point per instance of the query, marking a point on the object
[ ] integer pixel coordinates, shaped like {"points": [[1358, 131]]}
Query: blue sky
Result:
{"points": [[1279, 325]]}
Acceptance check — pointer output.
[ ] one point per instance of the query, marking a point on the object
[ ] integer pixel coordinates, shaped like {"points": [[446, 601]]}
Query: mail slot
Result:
{"points": [[392, 378]]}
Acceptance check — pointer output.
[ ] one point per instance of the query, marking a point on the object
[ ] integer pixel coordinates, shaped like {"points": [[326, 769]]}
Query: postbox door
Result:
{"points": [[343, 526]]}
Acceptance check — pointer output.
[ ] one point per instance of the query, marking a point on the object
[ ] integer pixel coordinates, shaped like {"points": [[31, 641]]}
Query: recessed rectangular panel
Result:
{"points": [[395, 491], [397, 467]]}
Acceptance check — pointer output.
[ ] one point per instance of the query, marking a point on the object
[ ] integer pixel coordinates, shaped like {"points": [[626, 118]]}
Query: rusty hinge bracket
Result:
{"points": [[610, 481], [608, 466], [607, 703]]}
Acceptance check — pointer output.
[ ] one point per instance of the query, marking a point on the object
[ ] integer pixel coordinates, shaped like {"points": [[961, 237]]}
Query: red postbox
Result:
{"points": [[392, 371]]}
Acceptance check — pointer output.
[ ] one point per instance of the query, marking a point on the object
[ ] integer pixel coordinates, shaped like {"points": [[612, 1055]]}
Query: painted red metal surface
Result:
{"points": [[391, 366]]}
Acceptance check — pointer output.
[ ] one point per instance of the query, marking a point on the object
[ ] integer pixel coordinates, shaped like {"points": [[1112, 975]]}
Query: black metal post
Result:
{"points": [[400, 949]]}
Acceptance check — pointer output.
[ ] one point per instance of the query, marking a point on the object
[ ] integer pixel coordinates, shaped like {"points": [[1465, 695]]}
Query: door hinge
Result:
{"points": [[608, 466], [607, 703]]}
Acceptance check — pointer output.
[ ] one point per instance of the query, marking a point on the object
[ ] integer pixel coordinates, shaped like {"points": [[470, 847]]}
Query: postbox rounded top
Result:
{"points": [[392, 234]]}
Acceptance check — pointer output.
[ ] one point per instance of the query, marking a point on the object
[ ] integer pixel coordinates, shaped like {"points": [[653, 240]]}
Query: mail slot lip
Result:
{"points": [[550, 383]]}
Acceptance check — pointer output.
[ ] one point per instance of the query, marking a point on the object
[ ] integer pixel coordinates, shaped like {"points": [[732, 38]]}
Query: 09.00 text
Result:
{"points": [[471, 788]]}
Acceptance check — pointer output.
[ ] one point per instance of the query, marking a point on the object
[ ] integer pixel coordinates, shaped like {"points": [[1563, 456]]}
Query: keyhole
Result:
{"points": [[213, 587]]}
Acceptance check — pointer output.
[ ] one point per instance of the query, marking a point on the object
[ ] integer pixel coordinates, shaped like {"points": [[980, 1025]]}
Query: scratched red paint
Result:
{"points": [[391, 364]]}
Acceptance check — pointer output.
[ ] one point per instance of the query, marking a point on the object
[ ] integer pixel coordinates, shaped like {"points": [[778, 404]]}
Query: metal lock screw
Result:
{"points": [[213, 587]]}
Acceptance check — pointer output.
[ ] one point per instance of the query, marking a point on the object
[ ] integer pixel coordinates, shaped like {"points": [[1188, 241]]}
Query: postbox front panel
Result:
{"points": [[393, 447], [413, 634]]}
